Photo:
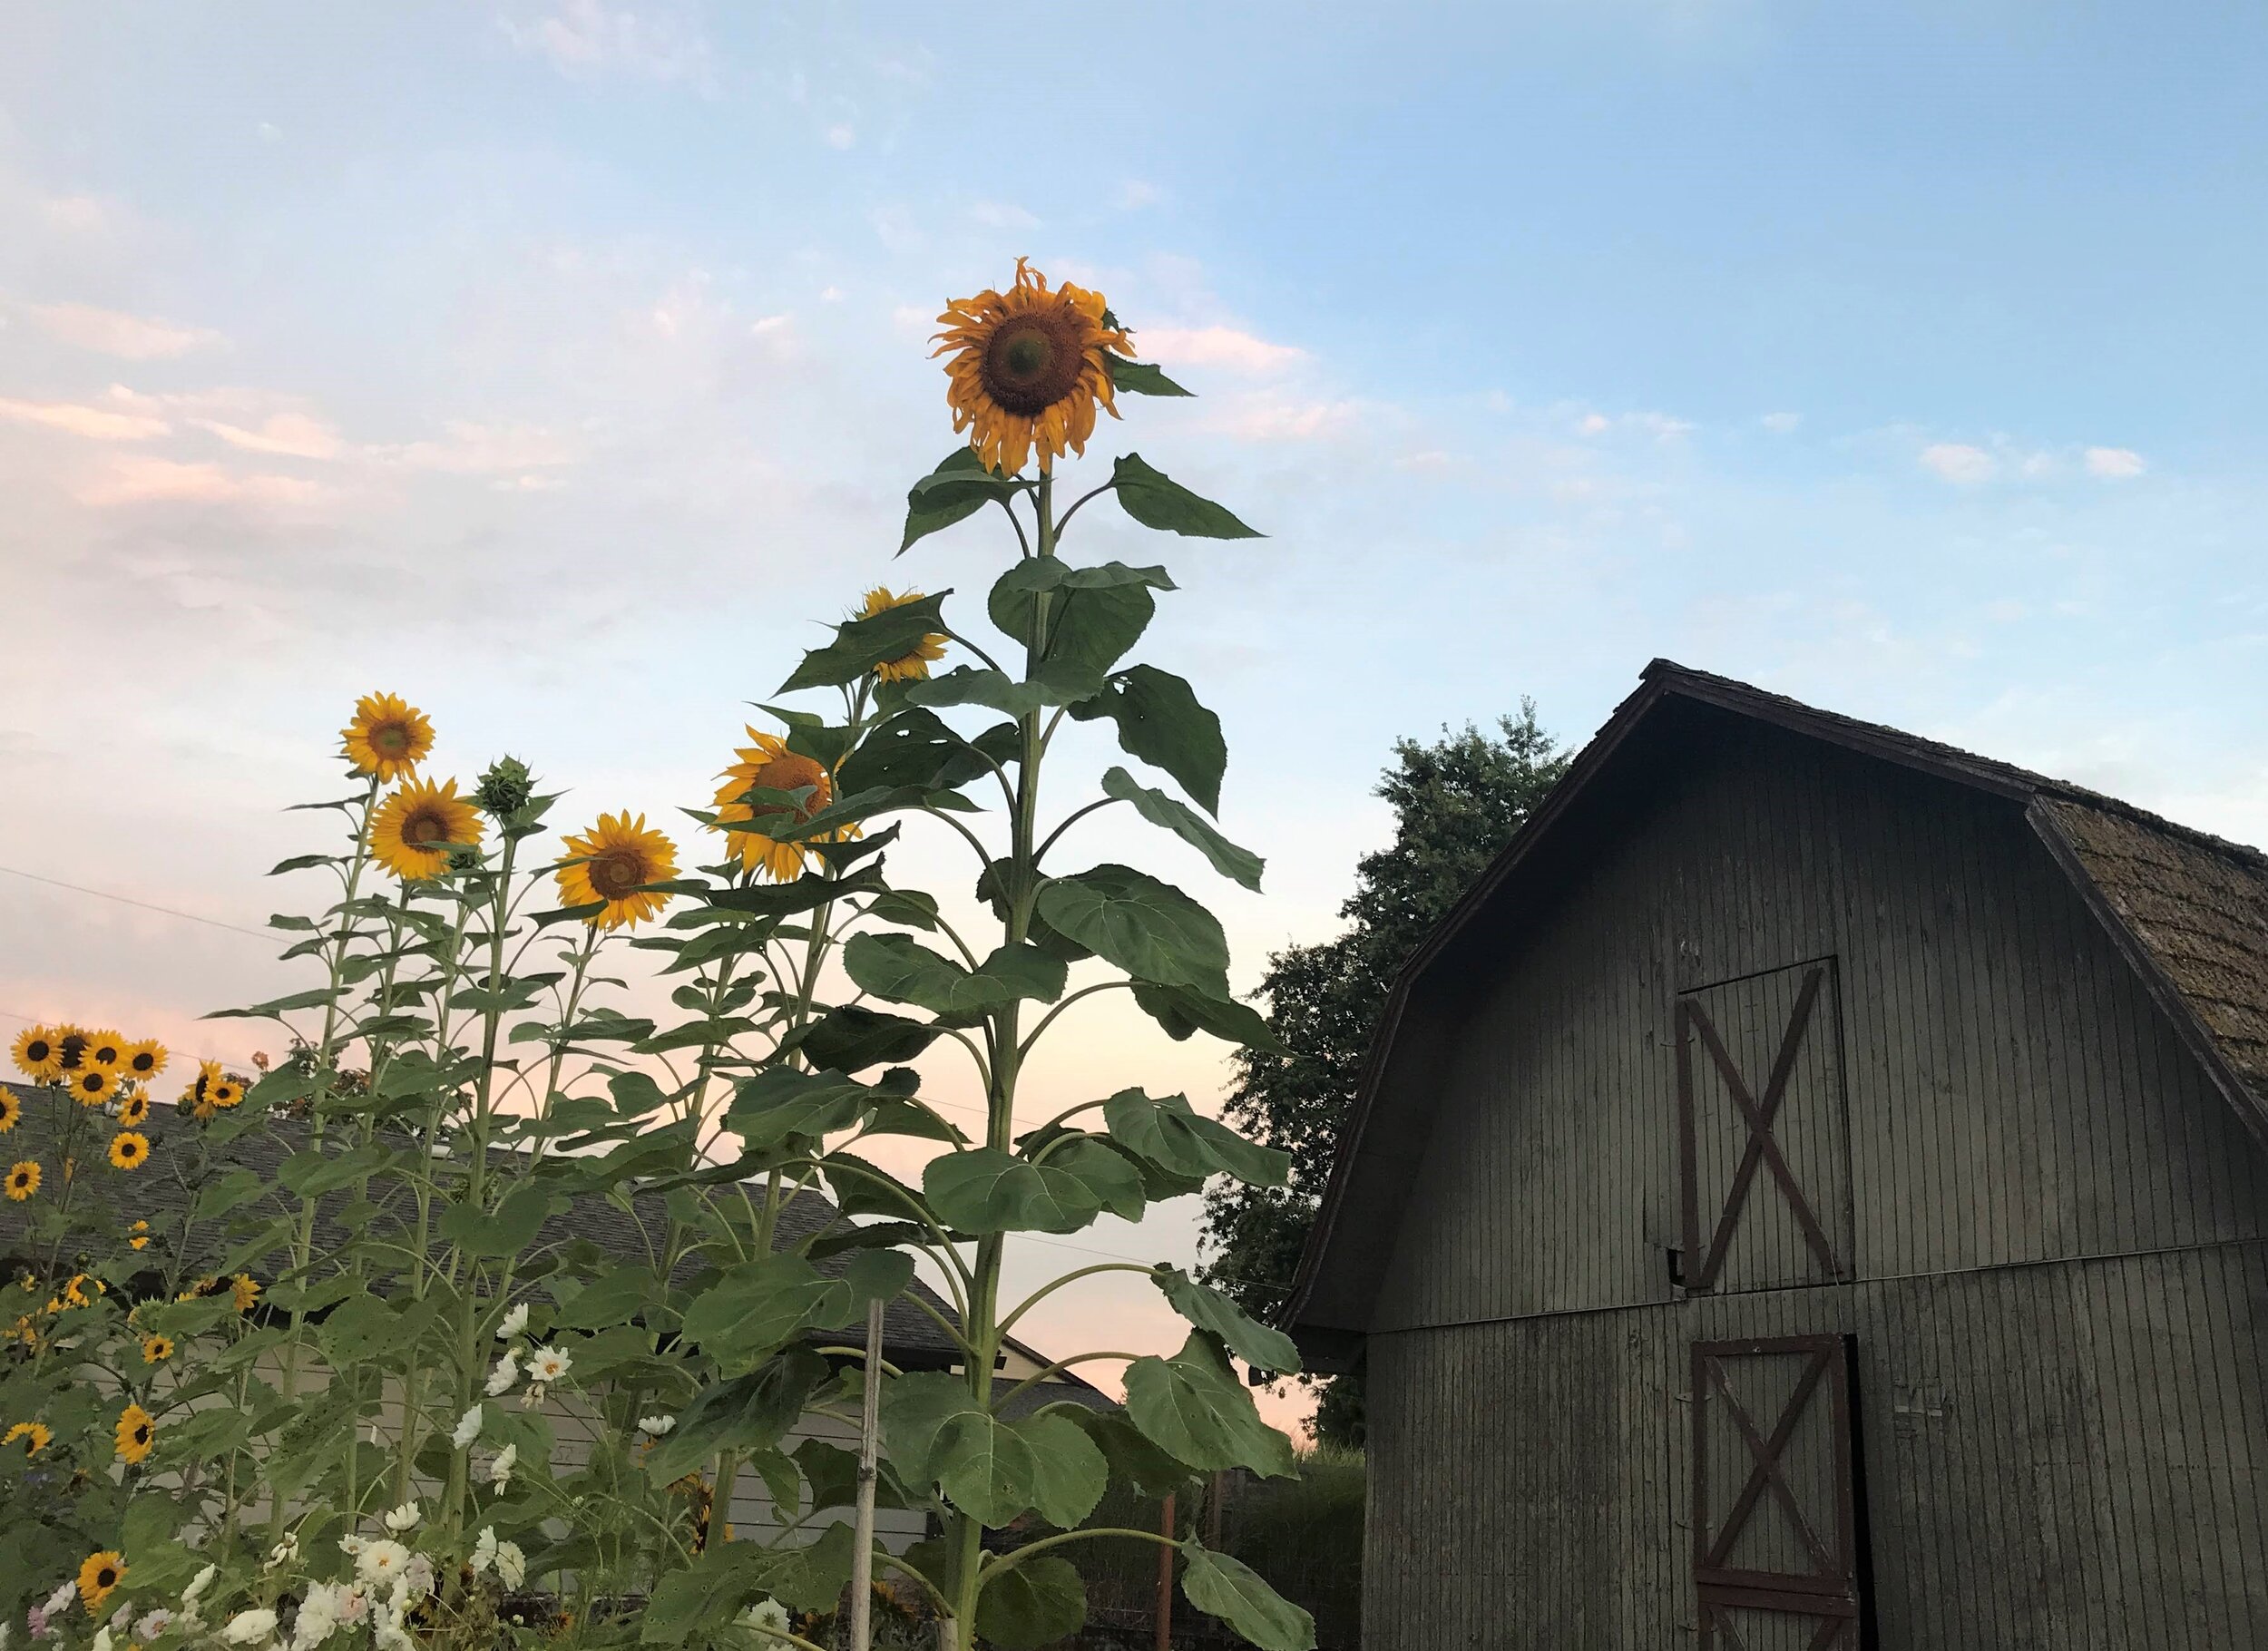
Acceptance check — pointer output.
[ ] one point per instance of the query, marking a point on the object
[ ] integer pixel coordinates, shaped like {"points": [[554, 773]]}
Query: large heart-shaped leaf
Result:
{"points": [[1257, 1344], [1171, 1133], [1149, 929], [1160, 722], [957, 488], [751, 1412], [1231, 1590], [937, 1433], [1181, 1013], [900, 969], [1105, 1172], [851, 1038], [1239, 864], [986, 1190], [758, 1306], [1194, 1407], [1037, 1602], [781, 1103], [1072, 1472]]}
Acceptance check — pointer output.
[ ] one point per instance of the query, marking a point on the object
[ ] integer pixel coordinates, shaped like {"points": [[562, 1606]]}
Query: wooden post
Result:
{"points": [[869, 1446], [1165, 1577]]}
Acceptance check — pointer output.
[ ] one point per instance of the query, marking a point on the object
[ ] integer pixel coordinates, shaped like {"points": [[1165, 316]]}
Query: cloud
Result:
{"points": [[94, 423], [1593, 424], [269, 132], [77, 214], [997, 215], [154, 481], [583, 40], [1781, 423], [1270, 419], [112, 332], [1221, 347], [2115, 464], [841, 135], [1958, 463], [1134, 195], [479, 449], [290, 434]]}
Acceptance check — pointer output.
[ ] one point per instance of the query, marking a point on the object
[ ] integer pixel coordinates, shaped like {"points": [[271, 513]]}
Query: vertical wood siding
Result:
{"points": [[2065, 1455]]}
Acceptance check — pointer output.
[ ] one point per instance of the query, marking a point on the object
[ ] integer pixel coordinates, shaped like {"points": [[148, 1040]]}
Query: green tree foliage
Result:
{"points": [[1456, 803]]}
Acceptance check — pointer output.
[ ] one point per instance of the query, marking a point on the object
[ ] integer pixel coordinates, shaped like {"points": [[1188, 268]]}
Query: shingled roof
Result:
{"points": [[2188, 910]]}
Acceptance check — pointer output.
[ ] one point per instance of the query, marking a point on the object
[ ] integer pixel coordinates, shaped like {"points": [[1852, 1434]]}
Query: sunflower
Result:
{"points": [[387, 739], [106, 1050], [99, 1573], [11, 1108], [137, 1431], [223, 1093], [612, 863], [128, 1149], [23, 1179], [243, 1292], [146, 1059], [73, 1292], [770, 765], [911, 667], [208, 1074], [92, 1084], [140, 1235], [1028, 368], [35, 1434], [156, 1349], [39, 1054], [415, 827], [70, 1046], [133, 1110]]}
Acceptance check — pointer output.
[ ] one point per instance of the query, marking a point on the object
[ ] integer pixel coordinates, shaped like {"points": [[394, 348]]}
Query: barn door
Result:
{"points": [[1764, 1152], [1775, 1546]]}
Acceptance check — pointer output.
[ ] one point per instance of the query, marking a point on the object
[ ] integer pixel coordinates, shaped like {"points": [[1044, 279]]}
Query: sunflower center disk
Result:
{"points": [[390, 739], [420, 830], [1032, 363], [616, 874]]}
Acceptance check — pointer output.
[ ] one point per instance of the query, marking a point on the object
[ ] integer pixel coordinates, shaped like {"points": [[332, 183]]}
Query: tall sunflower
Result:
{"points": [[134, 1110], [35, 1434], [23, 1179], [130, 1149], [1028, 368], [137, 1431], [223, 1093], [99, 1575], [92, 1085], [387, 739], [414, 828], [146, 1059], [611, 863], [106, 1050], [39, 1053], [11, 1108], [911, 667], [769, 766]]}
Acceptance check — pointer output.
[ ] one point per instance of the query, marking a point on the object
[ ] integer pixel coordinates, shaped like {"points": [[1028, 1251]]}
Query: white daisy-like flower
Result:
{"points": [[353, 1603], [284, 1552], [122, 1617], [512, 1565], [60, 1601], [382, 1561], [547, 1364], [507, 1371], [402, 1519], [484, 1553], [103, 1638], [766, 1614], [468, 1428], [514, 1323], [656, 1426], [246, 1626], [200, 1582], [154, 1623], [499, 1469], [352, 1545]]}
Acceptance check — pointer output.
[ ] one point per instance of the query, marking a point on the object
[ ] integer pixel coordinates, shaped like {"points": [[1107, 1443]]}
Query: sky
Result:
{"points": [[561, 365]]}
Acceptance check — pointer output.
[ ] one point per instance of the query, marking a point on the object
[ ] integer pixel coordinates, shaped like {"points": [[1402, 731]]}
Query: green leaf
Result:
{"points": [[1259, 1345], [1142, 379], [699, 1599], [1108, 1175], [230, 1191], [1149, 929], [914, 749], [1231, 1590], [315, 997], [1074, 1472], [805, 893], [1193, 1405], [1037, 1602], [900, 969], [938, 1434], [751, 1412], [758, 1306], [1155, 500], [986, 1190], [878, 1275], [853, 1038], [1094, 614], [300, 863], [861, 644], [1160, 722], [781, 1103], [967, 684], [1133, 1459], [1239, 864], [615, 1297], [1169, 1133], [1181, 1012], [310, 1172], [957, 488], [357, 1330], [510, 1229]]}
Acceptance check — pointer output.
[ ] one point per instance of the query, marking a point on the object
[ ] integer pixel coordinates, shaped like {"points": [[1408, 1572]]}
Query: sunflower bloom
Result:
{"points": [[137, 1432], [1028, 368], [133, 1110], [39, 1054], [107, 1051], [99, 1573], [243, 1292], [609, 865], [416, 826], [156, 1349], [387, 739], [907, 667], [208, 1074], [140, 1235], [146, 1060], [23, 1179], [73, 1292], [92, 1085], [769, 766], [223, 1093], [35, 1434], [71, 1046], [130, 1149], [11, 1108]]}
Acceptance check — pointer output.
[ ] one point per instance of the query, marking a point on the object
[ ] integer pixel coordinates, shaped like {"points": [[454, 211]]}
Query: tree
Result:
{"points": [[1456, 801]]}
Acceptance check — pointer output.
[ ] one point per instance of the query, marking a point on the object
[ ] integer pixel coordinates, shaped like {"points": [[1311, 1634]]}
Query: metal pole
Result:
{"points": [[1165, 1577], [869, 1444]]}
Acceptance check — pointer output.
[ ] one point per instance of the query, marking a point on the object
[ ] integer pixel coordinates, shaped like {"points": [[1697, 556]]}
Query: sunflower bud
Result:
{"points": [[505, 789]]}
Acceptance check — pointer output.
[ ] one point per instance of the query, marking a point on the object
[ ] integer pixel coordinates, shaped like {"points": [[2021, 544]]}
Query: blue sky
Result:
{"points": [[557, 364]]}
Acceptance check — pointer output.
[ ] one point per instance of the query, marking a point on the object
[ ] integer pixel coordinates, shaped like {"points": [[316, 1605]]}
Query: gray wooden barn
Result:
{"points": [[1811, 1194]]}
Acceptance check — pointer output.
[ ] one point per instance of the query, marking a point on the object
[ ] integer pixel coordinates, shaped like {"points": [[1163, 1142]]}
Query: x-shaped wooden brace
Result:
{"points": [[1764, 1472], [1759, 1115], [1720, 1621]]}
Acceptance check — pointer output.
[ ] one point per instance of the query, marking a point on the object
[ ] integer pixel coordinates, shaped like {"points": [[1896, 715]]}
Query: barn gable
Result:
{"points": [[2157, 939]]}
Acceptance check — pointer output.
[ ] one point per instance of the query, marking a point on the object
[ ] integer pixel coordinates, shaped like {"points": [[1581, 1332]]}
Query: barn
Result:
{"points": [[1811, 1193]]}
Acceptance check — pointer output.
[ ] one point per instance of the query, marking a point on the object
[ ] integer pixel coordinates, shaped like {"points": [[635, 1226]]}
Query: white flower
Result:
{"points": [[468, 1428], [500, 1470], [103, 1638], [352, 1545], [483, 1550], [153, 1624], [507, 1371], [382, 1561], [416, 1578], [656, 1426], [318, 1617], [512, 1565], [60, 1601], [246, 1626], [198, 1585], [284, 1552], [766, 1614], [548, 1365], [514, 1322], [122, 1616], [402, 1519]]}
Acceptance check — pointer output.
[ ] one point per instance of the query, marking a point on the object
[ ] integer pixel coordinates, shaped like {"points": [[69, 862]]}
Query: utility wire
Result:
{"points": [[210, 923]]}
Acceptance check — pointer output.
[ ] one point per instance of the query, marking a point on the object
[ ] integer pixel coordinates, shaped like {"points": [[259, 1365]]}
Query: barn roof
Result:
{"points": [[2189, 911]]}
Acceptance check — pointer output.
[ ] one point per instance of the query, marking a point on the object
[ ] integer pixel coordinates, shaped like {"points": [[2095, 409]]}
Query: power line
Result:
{"points": [[210, 923]]}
